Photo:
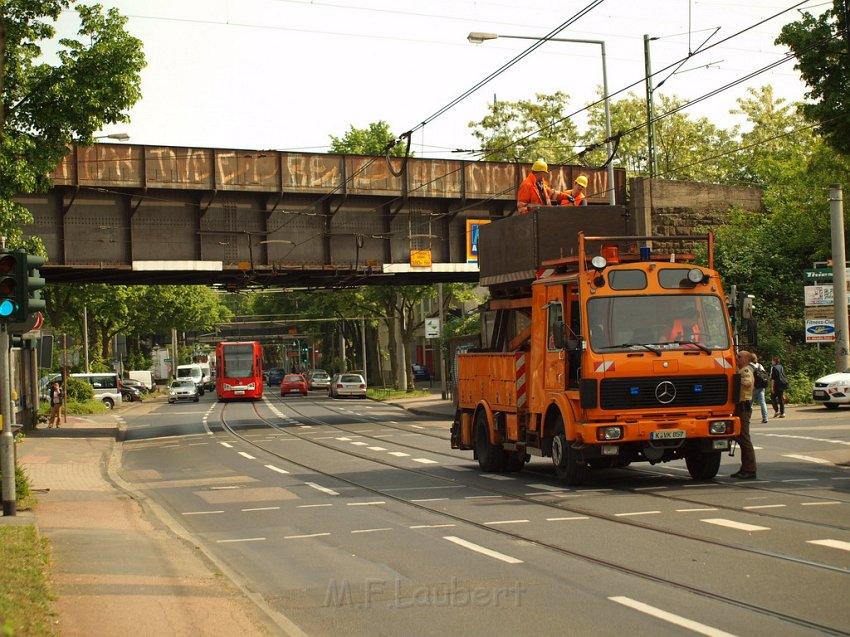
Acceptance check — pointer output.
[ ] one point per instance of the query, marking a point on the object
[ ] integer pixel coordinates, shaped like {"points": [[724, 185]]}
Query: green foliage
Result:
{"points": [[22, 483], [25, 597], [47, 107], [78, 390], [820, 45], [525, 130], [372, 140]]}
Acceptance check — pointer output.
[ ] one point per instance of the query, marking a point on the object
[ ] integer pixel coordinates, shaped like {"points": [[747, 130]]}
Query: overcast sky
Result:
{"points": [[286, 74]]}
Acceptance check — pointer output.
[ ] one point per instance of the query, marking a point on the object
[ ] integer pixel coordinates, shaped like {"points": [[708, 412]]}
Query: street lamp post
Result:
{"points": [[477, 37]]}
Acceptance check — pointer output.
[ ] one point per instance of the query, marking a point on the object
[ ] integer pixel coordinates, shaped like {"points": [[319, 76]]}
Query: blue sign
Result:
{"points": [[820, 330]]}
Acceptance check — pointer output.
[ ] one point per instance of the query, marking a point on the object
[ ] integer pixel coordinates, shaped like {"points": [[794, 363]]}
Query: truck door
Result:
{"points": [[555, 359]]}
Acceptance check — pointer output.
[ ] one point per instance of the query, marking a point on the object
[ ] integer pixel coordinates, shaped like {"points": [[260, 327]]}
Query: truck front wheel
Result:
{"points": [[568, 464], [703, 466], [491, 458]]}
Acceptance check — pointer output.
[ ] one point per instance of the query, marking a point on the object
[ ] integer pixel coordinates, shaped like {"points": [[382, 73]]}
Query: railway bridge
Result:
{"points": [[136, 214]]}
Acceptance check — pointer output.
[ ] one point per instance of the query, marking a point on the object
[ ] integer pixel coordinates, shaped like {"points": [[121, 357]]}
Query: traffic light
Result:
{"points": [[35, 282], [12, 286]]}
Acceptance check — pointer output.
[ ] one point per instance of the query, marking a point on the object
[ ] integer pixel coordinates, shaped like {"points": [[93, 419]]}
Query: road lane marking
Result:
{"points": [[833, 544], [274, 468], [301, 537], [482, 497], [376, 448], [432, 526], [386, 528], [399, 454], [261, 509], [807, 458], [246, 455], [735, 525], [226, 444], [817, 504], [243, 539], [496, 476], [425, 461], [677, 620], [430, 500], [201, 512], [319, 487], [480, 549], [312, 506], [344, 439], [508, 522], [456, 468], [699, 509], [364, 504], [417, 427], [766, 506], [624, 515], [572, 517], [545, 487], [800, 480], [360, 443]]}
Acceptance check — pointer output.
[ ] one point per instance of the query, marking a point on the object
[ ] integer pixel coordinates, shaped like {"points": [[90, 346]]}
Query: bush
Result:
{"points": [[78, 390], [22, 484]]}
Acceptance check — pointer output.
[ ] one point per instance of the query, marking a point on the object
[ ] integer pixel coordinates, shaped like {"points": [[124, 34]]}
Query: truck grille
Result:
{"points": [[655, 392]]}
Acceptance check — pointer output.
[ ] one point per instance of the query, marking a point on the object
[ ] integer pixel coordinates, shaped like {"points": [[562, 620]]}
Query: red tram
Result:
{"points": [[239, 370]]}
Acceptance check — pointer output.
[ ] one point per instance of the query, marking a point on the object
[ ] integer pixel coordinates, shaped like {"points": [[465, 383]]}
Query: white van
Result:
{"points": [[206, 376], [194, 372], [145, 377], [106, 385]]}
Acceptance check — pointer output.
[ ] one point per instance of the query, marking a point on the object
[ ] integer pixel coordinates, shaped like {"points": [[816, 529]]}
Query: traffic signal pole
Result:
{"points": [[7, 440]]}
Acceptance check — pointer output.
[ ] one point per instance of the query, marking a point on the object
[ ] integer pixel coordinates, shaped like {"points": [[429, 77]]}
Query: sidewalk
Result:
{"points": [[433, 406], [117, 570]]}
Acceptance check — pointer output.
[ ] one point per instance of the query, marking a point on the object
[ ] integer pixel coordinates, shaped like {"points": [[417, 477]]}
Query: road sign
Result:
{"points": [[432, 328], [820, 330]]}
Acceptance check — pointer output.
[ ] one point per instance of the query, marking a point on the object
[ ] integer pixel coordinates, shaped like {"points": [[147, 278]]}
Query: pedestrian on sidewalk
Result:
{"points": [[57, 399], [779, 383], [761, 383]]}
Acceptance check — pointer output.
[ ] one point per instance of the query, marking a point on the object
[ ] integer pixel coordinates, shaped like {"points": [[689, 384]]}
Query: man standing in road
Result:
{"points": [[57, 397], [744, 411], [534, 191]]}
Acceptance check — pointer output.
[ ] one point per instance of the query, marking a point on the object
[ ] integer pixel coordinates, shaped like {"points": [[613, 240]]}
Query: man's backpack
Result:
{"points": [[761, 377]]}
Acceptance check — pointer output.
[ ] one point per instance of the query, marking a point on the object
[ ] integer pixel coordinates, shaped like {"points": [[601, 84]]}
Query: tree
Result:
{"points": [[44, 107], [526, 130], [822, 48], [372, 140]]}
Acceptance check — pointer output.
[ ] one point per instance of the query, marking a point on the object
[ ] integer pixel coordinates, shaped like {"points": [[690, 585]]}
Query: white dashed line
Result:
{"points": [[574, 517], [740, 526], [360, 444], [377, 448], [201, 512], [312, 506], [319, 487], [226, 444], [372, 530], [399, 454], [244, 539], [817, 504], [246, 455], [696, 627], [700, 509], [545, 487], [301, 537], [624, 515], [507, 522], [431, 500], [432, 526], [833, 544], [766, 506], [425, 461], [261, 509], [364, 504], [496, 476], [484, 551], [456, 468], [274, 468], [807, 458]]}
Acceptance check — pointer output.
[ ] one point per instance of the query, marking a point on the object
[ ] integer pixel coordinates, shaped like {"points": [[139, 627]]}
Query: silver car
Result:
{"points": [[343, 385], [319, 379], [182, 390]]}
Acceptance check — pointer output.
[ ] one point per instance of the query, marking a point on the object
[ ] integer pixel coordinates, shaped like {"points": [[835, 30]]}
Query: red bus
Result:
{"points": [[239, 370]]}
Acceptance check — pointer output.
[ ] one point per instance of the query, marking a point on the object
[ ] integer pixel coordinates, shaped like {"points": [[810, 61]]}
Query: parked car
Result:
{"points": [[318, 379], [276, 374], [832, 390], [184, 389], [130, 394], [136, 384], [420, 372], [106, 385], [293, 384], [343, 385]]}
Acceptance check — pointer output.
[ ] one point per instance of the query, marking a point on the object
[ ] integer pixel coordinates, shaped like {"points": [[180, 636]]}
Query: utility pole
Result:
{"points": [[650, 110], [7, 442], [86, 337], [839, 279], [442, 359]]}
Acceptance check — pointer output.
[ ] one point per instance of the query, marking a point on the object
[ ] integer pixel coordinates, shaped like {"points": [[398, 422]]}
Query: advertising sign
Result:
{"points": [[432, 328], [820, 330], [818, 295], [472, 227]]}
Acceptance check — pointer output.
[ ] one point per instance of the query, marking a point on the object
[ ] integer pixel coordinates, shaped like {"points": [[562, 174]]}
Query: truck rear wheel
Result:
{"points": [[703, 466], [491, 458], [568, 464]]}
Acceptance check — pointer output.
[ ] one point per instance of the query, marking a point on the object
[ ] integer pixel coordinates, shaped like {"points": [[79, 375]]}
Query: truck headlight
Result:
{"points": [[719, 427], [609, 433]]}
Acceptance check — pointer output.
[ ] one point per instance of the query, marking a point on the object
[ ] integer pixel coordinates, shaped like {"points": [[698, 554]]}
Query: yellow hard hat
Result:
{"points": [[540, 166], [581, 180]]}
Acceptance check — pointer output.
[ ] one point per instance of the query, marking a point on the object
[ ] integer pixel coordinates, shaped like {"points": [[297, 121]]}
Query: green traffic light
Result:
{"points": [[8, 286], [7, 308]]}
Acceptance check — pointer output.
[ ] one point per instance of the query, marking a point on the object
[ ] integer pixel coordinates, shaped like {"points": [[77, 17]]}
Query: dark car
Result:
{"points": [[135, 384], [420, 372], [276, 375], [130, 394]]}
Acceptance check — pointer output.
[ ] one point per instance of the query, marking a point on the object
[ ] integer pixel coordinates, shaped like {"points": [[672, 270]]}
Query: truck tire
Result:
{"points": [[514, 462], [703, 466], [569, 467], [491, 458]]}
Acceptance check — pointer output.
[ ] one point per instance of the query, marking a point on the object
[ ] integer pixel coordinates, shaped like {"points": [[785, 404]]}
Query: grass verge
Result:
{"points": [[394, 394], [24, 588]]}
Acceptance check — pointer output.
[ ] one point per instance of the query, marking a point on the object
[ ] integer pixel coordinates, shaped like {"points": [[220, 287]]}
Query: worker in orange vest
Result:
{"points": [[534, 191], [576, 196]]}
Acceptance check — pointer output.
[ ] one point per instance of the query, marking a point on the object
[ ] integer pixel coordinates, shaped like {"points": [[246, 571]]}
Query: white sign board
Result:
{"points": [[820, 294], [432, 328], [820, 330]]}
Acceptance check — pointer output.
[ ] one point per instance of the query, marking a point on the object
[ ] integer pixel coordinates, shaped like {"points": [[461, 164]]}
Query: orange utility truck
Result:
{"points": [[608, 352]]}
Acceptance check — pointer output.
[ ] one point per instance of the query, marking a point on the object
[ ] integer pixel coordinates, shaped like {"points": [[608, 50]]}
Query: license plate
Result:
{"points": [[239, 392], [671, 434], [295, 391], [818, 393]]}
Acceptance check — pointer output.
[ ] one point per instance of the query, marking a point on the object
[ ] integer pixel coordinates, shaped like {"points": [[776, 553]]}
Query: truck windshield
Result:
{"points": [[620, 323]]}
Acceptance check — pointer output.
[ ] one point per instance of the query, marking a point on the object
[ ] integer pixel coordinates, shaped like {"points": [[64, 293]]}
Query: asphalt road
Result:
{"points": [[356, 517]]}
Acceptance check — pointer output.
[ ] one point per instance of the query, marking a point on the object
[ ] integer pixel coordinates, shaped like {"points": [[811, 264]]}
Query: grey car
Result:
{"points": [[343, 385], [182, 390], [319, 379]]}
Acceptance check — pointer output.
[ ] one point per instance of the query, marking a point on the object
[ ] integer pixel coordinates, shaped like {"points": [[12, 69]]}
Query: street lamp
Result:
{"points": [[121, 137], [477, 37]]}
